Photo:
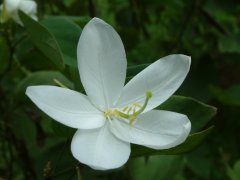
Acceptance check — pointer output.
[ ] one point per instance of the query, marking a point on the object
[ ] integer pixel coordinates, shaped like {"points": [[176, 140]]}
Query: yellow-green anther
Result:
{"points": [[131, 117], [137, 105]]}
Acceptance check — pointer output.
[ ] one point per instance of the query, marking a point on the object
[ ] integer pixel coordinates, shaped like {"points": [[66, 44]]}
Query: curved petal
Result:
{"points": [[12, 5], [163, 78], [66, 106], [155, 129], [99, 148], [28, 6], [102, 63]]}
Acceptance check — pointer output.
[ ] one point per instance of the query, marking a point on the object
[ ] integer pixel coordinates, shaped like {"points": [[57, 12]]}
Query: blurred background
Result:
{"points": [[207, 30]]}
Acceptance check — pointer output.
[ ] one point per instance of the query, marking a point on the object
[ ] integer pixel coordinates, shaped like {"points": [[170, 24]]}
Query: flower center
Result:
{"points": [[129, 113]]}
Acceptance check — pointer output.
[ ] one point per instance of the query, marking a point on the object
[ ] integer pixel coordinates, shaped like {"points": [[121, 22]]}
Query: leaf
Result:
{"points": [[42, 78], [20, 125], [79, 20], [236, 168], [191, 142], [43, 39], [198, 113], [199, 162], [67, 35], [4, 54], [229, 44], [57, 154], [62, 130], [230, 96], [133, 70], [155, 167]]}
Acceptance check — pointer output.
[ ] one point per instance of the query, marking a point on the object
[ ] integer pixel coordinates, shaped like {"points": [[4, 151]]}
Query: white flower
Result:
{"points": [[9, 9], [112, 115]]}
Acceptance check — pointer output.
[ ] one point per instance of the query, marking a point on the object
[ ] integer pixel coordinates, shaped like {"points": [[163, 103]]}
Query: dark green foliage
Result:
{"points": [[32, 146]]}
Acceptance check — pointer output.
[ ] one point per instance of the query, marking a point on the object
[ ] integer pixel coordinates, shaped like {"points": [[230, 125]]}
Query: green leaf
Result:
{"points": [[191, 142], [229, 44], [230, 96], [21, 124], [199, 162], [4, 54], [133, 70], [236, 169], [43, 39], [42, 78], [198, 113], [233, 173], [79, 20], [67, 35], [155, 167], [62, 130]]}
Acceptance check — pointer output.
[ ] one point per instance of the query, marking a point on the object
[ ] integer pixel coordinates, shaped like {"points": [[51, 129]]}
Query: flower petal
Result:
{"points": [[12, 5], [66, 106], [28, 6], [102, 63], [163, 78], [99, 148], [155, 129]]}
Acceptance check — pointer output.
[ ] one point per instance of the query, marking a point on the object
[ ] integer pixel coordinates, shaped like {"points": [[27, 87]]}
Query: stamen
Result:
{"points": [[129, 110], [137, 105], [109, 114], [119, 113], [125, 109], [59, 83]]}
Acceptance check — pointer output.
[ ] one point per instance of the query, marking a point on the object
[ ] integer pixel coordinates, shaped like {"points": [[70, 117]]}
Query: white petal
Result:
{"points": [[163, 78], [102, 63], [28, 6], [155, 129], [66, 106], [99, 148], [12, 5], [10, 10]]}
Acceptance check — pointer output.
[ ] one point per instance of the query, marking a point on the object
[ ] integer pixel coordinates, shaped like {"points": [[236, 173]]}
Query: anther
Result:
{"points": [[129, 116]]}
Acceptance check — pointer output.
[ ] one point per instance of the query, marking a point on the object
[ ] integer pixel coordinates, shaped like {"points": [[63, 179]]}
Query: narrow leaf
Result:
{"points": [[43, 39], [67, 35]]}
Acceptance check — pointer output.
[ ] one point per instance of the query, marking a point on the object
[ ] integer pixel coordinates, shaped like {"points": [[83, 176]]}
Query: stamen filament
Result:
{"points": [[129, 110], [119, 113], [132, 117], [59, 83], [125, 109]]}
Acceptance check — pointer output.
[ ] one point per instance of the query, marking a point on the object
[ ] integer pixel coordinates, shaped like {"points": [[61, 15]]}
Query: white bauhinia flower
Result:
{"points": [[9, 9], [111, 115]]}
